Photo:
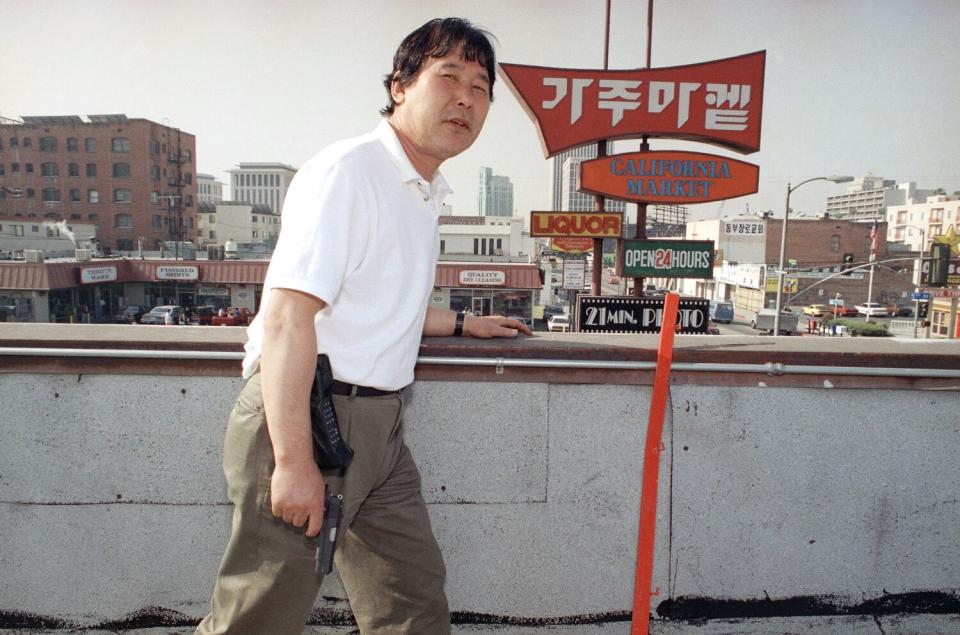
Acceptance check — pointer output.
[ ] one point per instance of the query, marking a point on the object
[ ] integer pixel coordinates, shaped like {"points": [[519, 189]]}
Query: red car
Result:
{"points": [[847, 310], [233, 316]]}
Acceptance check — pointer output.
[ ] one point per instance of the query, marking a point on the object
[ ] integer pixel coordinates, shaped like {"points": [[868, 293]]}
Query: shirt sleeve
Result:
{"points": [[312, 250]]}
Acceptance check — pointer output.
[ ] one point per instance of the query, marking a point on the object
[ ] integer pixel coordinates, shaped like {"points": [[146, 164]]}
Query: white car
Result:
{"points": [[872, 309], [558, 323]]}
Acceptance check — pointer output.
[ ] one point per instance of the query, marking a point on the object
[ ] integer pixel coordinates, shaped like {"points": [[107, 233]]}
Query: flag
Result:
{"points": [[874, 234]]}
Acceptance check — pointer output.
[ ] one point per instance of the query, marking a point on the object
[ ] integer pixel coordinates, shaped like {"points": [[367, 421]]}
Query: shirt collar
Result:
{"points": [[388, 137]]}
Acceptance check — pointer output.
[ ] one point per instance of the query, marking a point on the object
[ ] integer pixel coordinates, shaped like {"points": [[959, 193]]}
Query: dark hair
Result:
{"points": [[439, 38]]}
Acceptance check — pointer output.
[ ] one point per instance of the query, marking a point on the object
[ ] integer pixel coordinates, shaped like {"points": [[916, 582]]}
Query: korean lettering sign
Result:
{"points": [[668, 258], [583, 224], [668, 177], [719, 102], [743, 228], [627, 314]]}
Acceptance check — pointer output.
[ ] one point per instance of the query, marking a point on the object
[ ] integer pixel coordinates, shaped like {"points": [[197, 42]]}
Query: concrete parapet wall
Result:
{"points": [[112, 501]]}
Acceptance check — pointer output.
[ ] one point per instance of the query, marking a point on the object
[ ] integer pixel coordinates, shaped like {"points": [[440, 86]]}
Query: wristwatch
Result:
{"points": [[458, 327]]}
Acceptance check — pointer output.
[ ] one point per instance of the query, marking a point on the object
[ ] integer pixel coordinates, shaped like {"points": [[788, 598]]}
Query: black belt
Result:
{"points": [[343, 388]]}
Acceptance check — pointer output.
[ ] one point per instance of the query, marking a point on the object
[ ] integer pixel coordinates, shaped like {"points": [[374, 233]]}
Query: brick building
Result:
{"points": [[134, 179]]}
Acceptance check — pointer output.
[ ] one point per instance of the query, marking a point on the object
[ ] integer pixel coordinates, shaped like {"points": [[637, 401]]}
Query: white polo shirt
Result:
{"points": [[359, 231]]}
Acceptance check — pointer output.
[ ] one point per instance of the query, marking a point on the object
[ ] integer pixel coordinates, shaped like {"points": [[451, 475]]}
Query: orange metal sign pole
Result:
{"points": [[651, 469]]}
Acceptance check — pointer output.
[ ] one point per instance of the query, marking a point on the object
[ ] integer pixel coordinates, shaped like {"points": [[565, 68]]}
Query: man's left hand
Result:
{"points": [[493, 326]]}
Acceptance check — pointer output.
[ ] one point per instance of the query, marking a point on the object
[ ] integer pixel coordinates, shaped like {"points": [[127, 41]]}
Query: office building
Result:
{"points": [[868, 198], [572, 200], [495, 194], [131, 178], [261, 183], [209, 189]]}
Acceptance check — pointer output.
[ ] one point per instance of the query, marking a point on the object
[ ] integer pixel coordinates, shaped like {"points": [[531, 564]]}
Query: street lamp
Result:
{"points": [[783, 241], [919, 275]]}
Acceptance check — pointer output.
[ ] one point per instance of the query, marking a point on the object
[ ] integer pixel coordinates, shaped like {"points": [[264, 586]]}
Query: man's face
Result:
{"points": [[440, 114]]}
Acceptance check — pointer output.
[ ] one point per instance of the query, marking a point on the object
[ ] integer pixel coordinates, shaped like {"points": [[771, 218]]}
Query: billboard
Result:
{"points": [[578, 224], [668, 177], [718, 102]]}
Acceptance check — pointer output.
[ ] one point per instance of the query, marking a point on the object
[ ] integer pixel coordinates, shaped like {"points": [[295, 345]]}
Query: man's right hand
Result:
{"points": [[296, 496]]}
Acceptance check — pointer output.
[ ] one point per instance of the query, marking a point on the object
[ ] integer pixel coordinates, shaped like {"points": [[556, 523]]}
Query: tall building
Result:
{"points": [[132, 178], [495, 194], [209, 189], [263, 183], [868, 198], [588, 151], [572, 200]]}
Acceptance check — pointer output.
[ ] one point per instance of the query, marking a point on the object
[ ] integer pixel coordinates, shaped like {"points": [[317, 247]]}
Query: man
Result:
{"points": [[351, 277]]}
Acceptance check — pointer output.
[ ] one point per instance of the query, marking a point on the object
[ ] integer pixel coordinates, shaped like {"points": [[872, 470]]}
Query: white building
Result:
{"points": [[869, 196], [261, 183], [241, 222], [916, 225], [484, 239], [209, 189], [494, 194]]}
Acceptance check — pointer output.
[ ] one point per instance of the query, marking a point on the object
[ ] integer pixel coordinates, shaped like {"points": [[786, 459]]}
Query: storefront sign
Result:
{"points": [[719, 102], [627, 314], [201, 290], [574, 273], [743, 228], [579, 224], [790, 285], [483, 278], [572, 245], [668, 258], [668, 177], [953, 273], [90, 275], [174, 272]]}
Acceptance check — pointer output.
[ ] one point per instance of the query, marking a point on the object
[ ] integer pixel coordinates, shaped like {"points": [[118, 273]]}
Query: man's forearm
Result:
{"points": [[439, 322]]}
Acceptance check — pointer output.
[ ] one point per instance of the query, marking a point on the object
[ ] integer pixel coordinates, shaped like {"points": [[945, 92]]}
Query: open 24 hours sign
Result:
{"points": [[627, 314], [668, 258]]}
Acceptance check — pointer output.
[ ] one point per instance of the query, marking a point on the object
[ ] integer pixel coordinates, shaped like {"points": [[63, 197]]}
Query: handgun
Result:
{"points": [[326, 540]]}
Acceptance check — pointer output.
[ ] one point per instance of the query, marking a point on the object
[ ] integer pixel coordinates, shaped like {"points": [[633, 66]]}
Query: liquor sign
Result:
{"points": [[90, 275], [572, 245], [483, 278], [668, 177], [174, 272], [718, 102], [627, 314], [574, 274], [579, 224], [668, 258]]}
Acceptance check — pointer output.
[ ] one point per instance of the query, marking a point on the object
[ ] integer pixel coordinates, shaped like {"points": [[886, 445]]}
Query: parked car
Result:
{"points": [[817, 310], [558, 323], [234, 316], [901, 310], [552, 309], [844, 310], [158, 314], [721, 311], [872, 309], [204, 315], [130, 315]]}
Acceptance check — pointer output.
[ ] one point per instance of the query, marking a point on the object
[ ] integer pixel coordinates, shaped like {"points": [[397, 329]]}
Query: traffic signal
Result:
{"points": [[939, 264], [923, 310], [848, 259]]}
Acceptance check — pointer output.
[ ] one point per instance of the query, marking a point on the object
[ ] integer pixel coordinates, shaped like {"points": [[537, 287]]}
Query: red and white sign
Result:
{"points": [[176, 272], [579, 224], [572, 245], [668, 177], [483, 278], [719, 102]]}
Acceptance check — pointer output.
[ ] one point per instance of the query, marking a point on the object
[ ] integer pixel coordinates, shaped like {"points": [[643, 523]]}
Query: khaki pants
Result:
{"points": [[386, 554]]}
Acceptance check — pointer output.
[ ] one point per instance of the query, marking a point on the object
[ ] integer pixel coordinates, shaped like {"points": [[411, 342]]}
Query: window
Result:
{"points": [[35, 229], [121, 145], [255, 234], [73, 169], [213, 218], [123, 221], [154, 147], [93, 216], [14, 167], [90, 144], [93, 196], [75, 195], [29, 168], [51, 195], [27, 143], [154, 197], [155, 221], [189, 223], [124, 244], [13, 142], [1, 169], [187, 156], [499, 243], [31, 193], [121, 170], [155, 173], [834, 244], [122, 195], [49, 169], [188, 178], [254, 218], [74, 217], [18, 230], [212, 235], [476, 246], [443, 246], [189, 200], [92, 170], [72, 145], [48, 144]]}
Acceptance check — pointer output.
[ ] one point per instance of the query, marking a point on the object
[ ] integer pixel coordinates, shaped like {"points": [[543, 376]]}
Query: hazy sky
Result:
{"points": [[852, 86]]}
